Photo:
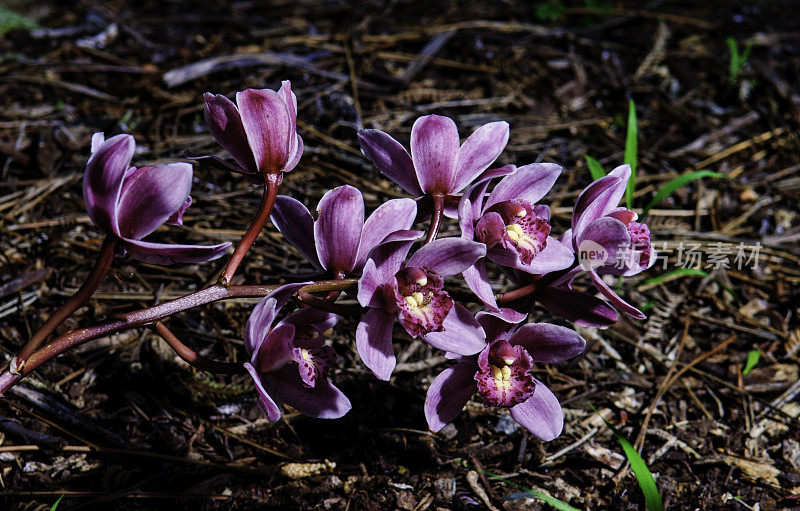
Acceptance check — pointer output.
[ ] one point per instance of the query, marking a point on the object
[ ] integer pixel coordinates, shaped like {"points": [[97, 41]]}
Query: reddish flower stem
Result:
{"points": [[87, 289], [193, 358], [264, 210], [436, 218], [74, 338]]}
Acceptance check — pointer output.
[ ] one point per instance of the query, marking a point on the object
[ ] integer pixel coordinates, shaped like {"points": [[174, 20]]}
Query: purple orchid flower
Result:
{"points": [[501, 375], [437, 164], [607, 238], [259, 131], [340, 240], [413, 294], [289, 361], [515, 230], [129, 203]]}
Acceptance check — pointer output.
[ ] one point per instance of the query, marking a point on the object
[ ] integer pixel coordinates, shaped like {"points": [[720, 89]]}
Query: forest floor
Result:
{"points": [[122, 423]]}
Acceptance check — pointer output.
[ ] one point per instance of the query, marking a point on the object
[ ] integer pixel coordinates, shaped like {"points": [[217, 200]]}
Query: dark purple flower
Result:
{"points": [[340, 241], [607, 238], [259, 131], [437, 164], [130, 203], [501, 375], [412, 294], [515, 230], [289, 361]]}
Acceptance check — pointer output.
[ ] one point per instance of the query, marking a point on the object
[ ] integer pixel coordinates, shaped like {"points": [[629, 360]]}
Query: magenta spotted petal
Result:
{"points": [[129, 203], [259, 130]]}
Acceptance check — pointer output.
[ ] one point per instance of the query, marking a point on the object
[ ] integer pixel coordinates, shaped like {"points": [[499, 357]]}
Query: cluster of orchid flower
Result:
{"points": [[368, 260]]}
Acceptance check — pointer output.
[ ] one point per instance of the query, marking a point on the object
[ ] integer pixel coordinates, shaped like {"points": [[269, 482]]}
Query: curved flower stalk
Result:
{"points": [[259, 130], [515, 230], [289, 361], [413, 294], [438, 167], [607, 238], [129, 203], [501, 375], [339, 241]]}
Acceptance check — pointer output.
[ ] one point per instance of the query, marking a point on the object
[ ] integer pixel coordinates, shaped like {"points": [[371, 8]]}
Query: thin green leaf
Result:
{"points": [[652, 498], [684, 272], [595, 168], [558, 504], [631, 152], [10, 20], [678, 182], [753, 356], [56, 504]]}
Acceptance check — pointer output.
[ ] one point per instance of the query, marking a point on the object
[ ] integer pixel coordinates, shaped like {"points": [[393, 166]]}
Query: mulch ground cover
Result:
{"points": [[122, 423]]}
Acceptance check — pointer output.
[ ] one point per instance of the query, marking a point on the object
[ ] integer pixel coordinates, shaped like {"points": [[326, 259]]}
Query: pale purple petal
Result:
{"points": [[548, 343], [462, 333], [540, 414], [434, 151], [554, 257], [614, 298], [323, 401], [177, 217], [391, 253], [295, 154], [97, 140], [263, 315], [391, 159], [578, 307], [497, 323], [369, 284], [391, 216], [275, 350], [479, 151], [478, 281], [603, 243], [529, 183], [296, 224], [591, 201], [151, 197], [290, 100], [225, 124], [265, 402], [447, 256], [103, 179], [337, 230], [164, 253], [374, 342], [449, 393], [266, 122], [466, 220]]}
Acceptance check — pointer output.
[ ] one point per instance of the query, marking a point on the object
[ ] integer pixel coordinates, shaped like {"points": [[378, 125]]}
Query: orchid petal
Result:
{"points": [[391, 159], [578, 307], [265, 402], [337, 230], [434, 150], [548, 343], [490, 229], [151, 197], [462, 333], [479, 151], [478, 281], [603, 244], [225, 124], [591, 202], [529, 183], [266, 122], [103, 179], [449, 393], [323, 401], [391, 216], [614, 298], [275, 350], [374, 342], [165, 253], [447, 256], [296, 224], [540, 414]]}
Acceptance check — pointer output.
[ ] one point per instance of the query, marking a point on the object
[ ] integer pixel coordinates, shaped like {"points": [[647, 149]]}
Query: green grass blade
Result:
{"points": [[631, 152], [595, 168], [10, 20], [753, 356], [734, 68], [558, 504], [685, 272], [56, 504], [678, 182], [652, 498]]}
